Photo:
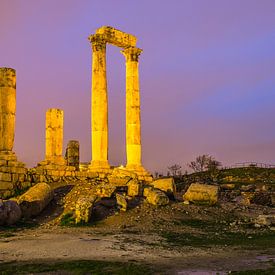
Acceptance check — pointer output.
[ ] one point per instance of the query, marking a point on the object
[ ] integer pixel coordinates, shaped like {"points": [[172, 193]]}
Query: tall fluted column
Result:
{"points": [[54, 136], [133, 135], [7, 109], [99, 105]]}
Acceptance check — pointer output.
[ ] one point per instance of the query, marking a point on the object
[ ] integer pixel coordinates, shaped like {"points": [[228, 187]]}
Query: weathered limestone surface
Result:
{"points": [[12, 172], [99, 106], [10, 212], [133, 136], [54, 136], [121, 202], [155, 196], [72, 154], [35, 199], [166, 184], [115, 37], [126, 41], [134, 188], [7, 108], [83, 209], [202, 194]]}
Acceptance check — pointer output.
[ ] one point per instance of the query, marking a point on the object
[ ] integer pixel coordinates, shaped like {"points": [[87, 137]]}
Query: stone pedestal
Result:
{"points": [[12, 172], [99, 111]]}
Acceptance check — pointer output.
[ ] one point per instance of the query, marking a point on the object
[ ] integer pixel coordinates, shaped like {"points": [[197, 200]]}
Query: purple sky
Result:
{"points": [[207, 76]]}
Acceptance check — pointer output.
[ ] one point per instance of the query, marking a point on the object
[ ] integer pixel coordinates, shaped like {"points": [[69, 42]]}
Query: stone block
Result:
{"points": [[6, 185], [121, 201], [5, 176], [12, 163], [14, 177], [155, 196], [134, 188], [114, 36], [105, 191], [202, 194], [166, 185], [8, 157], [83, 209], [3, 162], [68, 174]]}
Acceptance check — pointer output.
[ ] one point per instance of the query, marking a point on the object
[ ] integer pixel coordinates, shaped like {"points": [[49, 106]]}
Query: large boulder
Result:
{"points": [[10, 212], [166, 185], [35, 199], [155, 196], [83, 209], [201, 194]]}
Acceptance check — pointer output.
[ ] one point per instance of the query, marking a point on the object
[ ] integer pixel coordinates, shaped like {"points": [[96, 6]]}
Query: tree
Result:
{"points": [[204, 163], [175, 170]]}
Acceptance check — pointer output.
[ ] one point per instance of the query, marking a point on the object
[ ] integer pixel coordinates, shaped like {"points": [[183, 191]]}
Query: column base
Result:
{"points": [[57, 163], [140, 171], [99, 166]]}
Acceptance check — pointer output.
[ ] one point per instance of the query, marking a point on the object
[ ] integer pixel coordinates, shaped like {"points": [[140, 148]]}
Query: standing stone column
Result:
{"points": [[99, 102], [133, 135], [54, 136], [7, 110], [72, 154]]}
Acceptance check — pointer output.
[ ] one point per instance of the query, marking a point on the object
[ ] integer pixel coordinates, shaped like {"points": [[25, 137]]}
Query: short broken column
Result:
{"points": [[72, 154], [7, 110], [12, 172], [54, 136]]}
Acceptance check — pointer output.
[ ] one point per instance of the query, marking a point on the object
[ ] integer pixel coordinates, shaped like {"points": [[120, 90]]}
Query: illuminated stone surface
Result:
{"points": [[99, 111], [167, 185], [12, 172], [99, 106], [202, 194], [54, 136], [7, 108]]}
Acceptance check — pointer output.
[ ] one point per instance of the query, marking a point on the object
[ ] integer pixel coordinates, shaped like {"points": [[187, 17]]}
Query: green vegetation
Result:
{"points": [[242, 176], [76, 267], [214, 233]]}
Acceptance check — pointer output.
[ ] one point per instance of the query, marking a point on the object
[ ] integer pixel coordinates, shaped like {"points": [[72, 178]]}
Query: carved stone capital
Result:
{"points": [[7, 77], [98, 42], [131, 54]]}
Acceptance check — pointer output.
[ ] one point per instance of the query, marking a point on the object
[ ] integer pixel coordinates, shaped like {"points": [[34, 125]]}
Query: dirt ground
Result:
{"points": [[175, 239]]}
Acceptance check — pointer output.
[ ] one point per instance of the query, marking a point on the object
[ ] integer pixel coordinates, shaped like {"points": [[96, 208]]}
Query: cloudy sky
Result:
{"points": [[207, 76]]}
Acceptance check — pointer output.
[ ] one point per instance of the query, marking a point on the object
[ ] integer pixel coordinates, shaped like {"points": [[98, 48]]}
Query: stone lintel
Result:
{"points": [[114, 37]]}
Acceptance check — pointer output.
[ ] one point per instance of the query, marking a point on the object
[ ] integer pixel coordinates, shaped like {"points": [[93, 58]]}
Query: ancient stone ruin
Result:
{"points": [[57, 169]]}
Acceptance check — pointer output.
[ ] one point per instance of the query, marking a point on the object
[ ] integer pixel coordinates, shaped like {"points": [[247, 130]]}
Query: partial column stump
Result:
{"points": [[12, 172]]}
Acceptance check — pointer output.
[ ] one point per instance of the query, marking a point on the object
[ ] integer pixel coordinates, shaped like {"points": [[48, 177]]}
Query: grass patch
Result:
{"points": [[76, 267], [248, 241], [67, 220]]}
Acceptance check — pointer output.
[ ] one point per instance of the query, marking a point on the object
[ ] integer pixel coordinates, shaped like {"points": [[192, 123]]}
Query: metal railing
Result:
{"points": [[248, 164]]}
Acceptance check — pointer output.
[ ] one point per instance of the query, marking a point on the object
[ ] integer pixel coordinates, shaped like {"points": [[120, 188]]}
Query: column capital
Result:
{"points": [[98, 42], [131, 54], [7, 77]]}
